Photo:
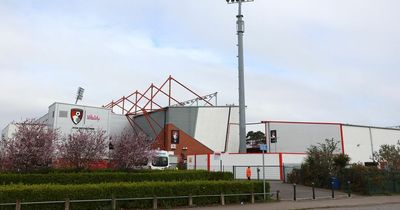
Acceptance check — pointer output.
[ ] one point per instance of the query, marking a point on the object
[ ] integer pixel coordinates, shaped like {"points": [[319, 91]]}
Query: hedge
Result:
{"points": [[105, 177], [31, 193], [370, 180]]}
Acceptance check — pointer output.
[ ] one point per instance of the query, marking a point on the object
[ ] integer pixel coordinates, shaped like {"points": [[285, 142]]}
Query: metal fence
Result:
{"points": [[272, 172], [252, 197], [382, 183]]}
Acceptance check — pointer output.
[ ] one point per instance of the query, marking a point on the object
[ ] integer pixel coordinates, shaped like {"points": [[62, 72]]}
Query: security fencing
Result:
{"points": [[271, 172]]}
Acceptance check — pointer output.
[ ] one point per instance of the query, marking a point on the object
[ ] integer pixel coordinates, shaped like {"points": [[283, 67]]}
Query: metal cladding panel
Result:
{"points": [[44, 119], [233, 132], [293, 159], [250, 159], [297, 137], [211, 127], [93, 118], [118, 123], [241, 161], [384, 136], [201, 162], [191, 162], [152, 121], [185, 118], [8, 131], [357, 143], [51, 115]]}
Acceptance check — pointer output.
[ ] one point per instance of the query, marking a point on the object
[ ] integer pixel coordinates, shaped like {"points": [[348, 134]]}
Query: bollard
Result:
{"points": [[333, 190], [252, 197], [294, 191], [277, 195], [18, 205], [155, 202], [190, 200], [313, 191], [67, 204], [222, 199], [349, 189]]}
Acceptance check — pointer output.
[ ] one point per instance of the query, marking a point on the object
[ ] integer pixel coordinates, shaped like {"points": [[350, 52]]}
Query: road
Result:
{"points": [[373, 207], [323, 201]]}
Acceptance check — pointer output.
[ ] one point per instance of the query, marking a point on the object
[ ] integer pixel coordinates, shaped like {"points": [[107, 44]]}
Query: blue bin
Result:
{"points": [[335, 183]]}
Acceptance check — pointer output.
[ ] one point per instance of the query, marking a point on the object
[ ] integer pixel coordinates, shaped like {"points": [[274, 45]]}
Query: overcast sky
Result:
{"points": [[305, 60]]}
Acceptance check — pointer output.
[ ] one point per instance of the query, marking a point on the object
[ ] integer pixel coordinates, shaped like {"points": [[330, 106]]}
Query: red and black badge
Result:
{"points": [[76, 115]]}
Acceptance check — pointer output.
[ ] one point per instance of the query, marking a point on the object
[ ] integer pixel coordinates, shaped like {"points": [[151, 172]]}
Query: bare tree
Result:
{"points": [[82, 148], [131, 150], [31, 147]]}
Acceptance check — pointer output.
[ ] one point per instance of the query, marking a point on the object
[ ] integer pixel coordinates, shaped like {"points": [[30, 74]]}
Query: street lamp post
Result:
{"points": [[242, 105]]}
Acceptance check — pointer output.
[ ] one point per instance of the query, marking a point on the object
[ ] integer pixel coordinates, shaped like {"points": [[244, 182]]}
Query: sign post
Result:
{"points": [[263, 148]]}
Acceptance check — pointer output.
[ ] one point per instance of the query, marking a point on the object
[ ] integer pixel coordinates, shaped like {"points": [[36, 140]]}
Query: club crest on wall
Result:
{"points": [[76, 115]]}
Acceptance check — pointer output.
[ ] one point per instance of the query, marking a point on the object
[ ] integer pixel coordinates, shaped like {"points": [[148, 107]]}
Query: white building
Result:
{"points": [[293, 140]]}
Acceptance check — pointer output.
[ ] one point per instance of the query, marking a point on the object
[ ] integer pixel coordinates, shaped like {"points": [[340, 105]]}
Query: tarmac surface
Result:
{"points": [[323, 200], [302, 192], [354, 203]]}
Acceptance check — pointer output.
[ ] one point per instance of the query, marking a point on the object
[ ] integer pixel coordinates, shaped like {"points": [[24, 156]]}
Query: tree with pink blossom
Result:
{"points": [[131, 149], [82, 148], [31, 147]]}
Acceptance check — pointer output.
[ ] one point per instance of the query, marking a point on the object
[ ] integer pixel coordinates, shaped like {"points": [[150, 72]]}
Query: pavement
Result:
{"points": [[302, 192], [354, 203], [323, 200]]}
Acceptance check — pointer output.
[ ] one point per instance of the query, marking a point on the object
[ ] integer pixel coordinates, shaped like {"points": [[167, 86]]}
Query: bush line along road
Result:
{"points": [[162, 184]]}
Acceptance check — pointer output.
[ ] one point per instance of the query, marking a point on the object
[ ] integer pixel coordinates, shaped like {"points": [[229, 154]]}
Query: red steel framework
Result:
{"points": [[137, 103]]}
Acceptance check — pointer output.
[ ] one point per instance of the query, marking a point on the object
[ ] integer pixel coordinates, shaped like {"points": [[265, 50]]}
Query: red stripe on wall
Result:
{"points": [[341, 137], [269, 153], [281, 165], [208, 162]]}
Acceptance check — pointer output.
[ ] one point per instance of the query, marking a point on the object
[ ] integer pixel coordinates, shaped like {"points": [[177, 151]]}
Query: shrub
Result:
{"points": [[31, 193], [371, 180], [103, 177]]}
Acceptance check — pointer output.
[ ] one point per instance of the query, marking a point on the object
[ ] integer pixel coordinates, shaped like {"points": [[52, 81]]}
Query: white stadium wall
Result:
{"points": [[233, 132], [360, 141], [237, 163], [357, 143], [208, 125], [117, 124], [93, 118], [298, 137], [212, 128]]}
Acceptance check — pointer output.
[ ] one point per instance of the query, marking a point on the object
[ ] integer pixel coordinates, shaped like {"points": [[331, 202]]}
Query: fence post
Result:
{"points": [[277, 195], [222, 199], [155, 202], [233, 171], [252, 197], [349, 189], [67, 204], [294, 192], [190, 200], [313, 191], [333, 190], [113, 203], [18, 205]]}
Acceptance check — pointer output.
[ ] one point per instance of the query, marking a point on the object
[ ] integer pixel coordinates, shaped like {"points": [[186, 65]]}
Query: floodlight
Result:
{"points": [[242, 105], [79, 94]]}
